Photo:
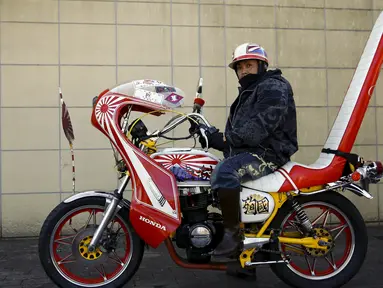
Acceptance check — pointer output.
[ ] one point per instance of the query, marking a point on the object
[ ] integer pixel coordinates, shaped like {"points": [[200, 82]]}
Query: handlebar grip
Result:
{"points": [[198, 103]]}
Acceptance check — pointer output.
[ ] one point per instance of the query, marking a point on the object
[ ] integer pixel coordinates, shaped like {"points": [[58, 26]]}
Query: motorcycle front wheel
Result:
{"points": [[66, 234], [335, 217]]}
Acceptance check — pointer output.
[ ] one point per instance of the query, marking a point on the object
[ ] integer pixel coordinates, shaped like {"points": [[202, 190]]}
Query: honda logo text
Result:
{"points": [[155, 224]]}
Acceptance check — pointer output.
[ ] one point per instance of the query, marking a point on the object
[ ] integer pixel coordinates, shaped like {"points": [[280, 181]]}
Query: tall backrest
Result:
{"points": [[355, 103]]}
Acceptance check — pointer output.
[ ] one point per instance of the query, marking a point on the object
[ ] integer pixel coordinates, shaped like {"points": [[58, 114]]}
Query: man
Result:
{"points": [[260, 135]]}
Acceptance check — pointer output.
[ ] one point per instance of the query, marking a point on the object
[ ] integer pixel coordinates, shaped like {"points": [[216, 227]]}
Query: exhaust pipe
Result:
{"points": [[251, 242]]}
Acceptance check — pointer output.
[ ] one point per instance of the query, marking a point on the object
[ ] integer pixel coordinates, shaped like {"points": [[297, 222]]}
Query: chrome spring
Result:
{"points": [[302, 216]]}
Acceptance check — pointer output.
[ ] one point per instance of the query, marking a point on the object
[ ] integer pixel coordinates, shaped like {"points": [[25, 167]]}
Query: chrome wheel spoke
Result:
{"points": [[314, 263], [70, 225], [294, 224], [102, 272], [326, 218], [325, 213], [311, 268], [65, 260], [61, 240], [116, 259], [340, 228], [331, 261], [92, 214]]}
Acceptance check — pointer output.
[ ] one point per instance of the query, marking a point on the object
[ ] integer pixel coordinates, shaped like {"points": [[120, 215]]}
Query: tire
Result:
{"points": [[288, 274], [62, 210]]}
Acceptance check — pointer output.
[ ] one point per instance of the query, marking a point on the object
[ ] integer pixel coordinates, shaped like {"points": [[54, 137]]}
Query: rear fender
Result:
{"points": [[358, 190], [352, 187]]}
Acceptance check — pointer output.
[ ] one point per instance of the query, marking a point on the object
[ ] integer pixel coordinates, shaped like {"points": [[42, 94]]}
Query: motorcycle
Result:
{"points": [[293, 220]]}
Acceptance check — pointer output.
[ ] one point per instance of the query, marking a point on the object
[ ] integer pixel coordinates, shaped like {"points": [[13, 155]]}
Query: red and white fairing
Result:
{"points": [[155, 207]]}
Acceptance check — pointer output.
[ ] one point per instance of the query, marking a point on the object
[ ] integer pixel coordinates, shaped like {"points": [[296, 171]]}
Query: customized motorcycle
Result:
{"points": [[297, 219]]}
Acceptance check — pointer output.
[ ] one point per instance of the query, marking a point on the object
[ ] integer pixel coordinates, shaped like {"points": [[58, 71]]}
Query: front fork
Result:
{"points": [[111, 210]]}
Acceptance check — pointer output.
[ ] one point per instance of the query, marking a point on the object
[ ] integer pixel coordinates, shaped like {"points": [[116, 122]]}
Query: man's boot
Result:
{"points": [[229, 202]]}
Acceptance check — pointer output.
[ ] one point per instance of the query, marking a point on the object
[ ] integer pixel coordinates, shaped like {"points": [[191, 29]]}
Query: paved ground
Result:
{"points": [[20, 267]]}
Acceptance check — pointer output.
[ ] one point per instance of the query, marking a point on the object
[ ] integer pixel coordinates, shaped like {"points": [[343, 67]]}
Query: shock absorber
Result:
{"points": [[302, 216]]}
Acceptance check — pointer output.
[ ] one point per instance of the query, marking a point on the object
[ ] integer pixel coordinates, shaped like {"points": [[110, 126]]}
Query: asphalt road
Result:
{"points": [[20, 267]]}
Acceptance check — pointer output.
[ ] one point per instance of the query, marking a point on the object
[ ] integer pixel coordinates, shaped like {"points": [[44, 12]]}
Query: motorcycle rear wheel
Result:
{"points": [[62, 270], [337, 273]]}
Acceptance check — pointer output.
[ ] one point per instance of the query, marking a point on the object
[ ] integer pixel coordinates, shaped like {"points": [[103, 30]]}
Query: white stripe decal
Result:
{"points": [[287, 176], [353, 92], [150, 187]]}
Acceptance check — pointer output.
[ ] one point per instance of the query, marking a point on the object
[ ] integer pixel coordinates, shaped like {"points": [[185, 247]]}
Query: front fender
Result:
{"points": [[107, 195]]}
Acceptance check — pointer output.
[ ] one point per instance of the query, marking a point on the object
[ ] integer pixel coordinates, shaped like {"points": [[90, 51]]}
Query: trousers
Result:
{"points": [[234, 170]]}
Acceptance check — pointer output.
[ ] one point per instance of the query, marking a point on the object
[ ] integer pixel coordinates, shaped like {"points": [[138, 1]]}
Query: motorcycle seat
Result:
{"points": [[295, 176]]}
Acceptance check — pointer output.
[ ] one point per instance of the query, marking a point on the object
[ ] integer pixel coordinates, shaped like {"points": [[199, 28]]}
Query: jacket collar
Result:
{"points": [[249, 80]]}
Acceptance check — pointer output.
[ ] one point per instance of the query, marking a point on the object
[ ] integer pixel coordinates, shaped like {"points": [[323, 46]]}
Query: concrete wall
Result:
{"points": [[87, 46]]}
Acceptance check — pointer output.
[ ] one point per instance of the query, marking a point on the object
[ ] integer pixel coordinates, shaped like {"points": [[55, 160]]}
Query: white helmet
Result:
{"points": [[248, 51]]}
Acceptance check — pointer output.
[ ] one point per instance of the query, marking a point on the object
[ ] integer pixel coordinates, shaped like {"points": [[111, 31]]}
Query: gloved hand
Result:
{"points": [[209, 131], [214, 137]]}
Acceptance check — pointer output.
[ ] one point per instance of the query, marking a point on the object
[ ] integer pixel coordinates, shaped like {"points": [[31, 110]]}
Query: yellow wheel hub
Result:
{"points": [[321, 232], [83, 248]]}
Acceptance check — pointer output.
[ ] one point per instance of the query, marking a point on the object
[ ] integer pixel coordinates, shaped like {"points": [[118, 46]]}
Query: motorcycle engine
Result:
{"points": [[200, 235], [200, 230], [196, 236]]}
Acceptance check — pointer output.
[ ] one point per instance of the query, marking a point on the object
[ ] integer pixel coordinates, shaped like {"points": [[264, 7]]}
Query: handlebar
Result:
{"points": [[196, 119], [177, 120]]}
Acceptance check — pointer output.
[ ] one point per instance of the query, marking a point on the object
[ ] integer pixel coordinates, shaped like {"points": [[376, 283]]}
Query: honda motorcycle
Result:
{"points": [[298, 220]]}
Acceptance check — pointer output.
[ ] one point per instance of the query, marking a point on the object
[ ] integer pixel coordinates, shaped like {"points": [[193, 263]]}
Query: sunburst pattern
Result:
{"points": [[185, 160], [105, 109]]}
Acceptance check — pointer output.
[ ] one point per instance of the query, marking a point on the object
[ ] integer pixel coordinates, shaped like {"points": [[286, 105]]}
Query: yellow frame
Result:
{"points": [[279, 200]]}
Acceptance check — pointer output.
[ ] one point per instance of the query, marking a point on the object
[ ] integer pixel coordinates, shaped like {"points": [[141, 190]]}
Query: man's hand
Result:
{"points": [[208, 131], [214, 137]]}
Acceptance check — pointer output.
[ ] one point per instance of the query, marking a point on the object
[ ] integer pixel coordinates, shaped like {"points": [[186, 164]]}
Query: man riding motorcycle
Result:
{"points": [[260, 135]]}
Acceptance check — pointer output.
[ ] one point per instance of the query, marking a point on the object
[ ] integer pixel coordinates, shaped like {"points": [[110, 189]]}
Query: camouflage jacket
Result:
{"points": [[262, 119]]}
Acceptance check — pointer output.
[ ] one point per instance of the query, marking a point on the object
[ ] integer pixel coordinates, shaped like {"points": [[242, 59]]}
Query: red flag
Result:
{"points": [[66, 121]]}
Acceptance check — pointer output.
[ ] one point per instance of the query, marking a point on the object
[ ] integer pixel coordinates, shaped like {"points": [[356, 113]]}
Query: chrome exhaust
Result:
{"points": [[251, 242]]}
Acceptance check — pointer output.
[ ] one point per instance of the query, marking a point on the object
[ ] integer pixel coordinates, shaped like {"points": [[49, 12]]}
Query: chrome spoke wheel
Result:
{"points": [[69, 243], [328, 221]]}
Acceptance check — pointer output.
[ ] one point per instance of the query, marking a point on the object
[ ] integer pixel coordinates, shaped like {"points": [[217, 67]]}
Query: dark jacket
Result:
{"points": [[262, 119]]}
